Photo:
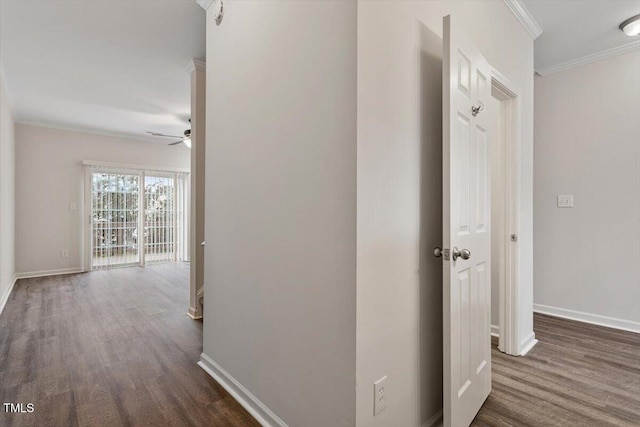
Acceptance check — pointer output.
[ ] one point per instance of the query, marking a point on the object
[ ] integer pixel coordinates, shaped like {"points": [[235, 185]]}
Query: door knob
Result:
{"points": [[437, 252], [464, 254]]}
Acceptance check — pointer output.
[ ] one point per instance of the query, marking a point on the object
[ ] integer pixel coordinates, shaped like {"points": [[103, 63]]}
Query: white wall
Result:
{"points": [[282, 248], [399, 283], [7, 195], [49, 176], [281, 206], [587, 143]]}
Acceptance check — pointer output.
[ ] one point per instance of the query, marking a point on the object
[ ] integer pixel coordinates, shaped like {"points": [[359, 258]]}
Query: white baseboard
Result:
{"points": [[196, 312], [434, 421], [255, 407], [193, 313], [527, 344], [4, 298], [43, 273], [495, 331], [594, 319]]}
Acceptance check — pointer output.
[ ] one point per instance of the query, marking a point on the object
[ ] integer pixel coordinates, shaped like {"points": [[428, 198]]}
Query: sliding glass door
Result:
{"points": [[159, 218], [115, 201], [138, 217]]}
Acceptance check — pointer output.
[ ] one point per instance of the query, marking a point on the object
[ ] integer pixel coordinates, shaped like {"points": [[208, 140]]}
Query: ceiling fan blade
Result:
{"points": [[177, 142], [163, 135]]}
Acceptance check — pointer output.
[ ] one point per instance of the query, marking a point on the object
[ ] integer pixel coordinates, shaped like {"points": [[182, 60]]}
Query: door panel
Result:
{"points": [[466, 225]]}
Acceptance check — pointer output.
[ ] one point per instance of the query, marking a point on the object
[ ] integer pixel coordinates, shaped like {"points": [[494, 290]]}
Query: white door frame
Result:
{"points": [[509, 96], [87, 246], [87, 220], [134, 169]]}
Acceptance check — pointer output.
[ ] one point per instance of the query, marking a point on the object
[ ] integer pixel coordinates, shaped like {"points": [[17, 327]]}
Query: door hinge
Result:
{"points": [[446, 254], [514, 237]]}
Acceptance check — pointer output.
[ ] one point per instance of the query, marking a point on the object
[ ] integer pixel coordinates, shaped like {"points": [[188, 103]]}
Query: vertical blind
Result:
{"points": [[138, 217], [159, 218]]}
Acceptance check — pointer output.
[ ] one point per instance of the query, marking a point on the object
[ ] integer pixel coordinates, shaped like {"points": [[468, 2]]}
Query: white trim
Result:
{"points": [[5, 298], [87, 220], [135, 166], [141, 218], [525, 17], [193, 313], [199, 310], [511, 314], [434, 421], [257, 409], [205, 3], [527, 344], [195, 65], [589, 59], [594, 319], [90, 131], [495, 331], [43, 273]]}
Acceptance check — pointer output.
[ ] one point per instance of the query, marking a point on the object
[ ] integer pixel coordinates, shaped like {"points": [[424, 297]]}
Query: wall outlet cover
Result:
{"points": [[379, 396]]}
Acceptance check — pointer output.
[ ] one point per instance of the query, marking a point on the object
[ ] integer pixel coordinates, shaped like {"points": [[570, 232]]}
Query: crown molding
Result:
{"points": [[525, 17], [195, 64], [90, 131], [205, 3], [589, 59]]}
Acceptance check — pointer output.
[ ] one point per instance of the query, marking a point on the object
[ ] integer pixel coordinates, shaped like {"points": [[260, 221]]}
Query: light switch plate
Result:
{"points": [[72, 206], [565, 200]]}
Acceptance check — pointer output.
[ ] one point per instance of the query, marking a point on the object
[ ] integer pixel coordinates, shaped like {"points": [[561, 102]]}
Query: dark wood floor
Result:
{"points": [[577, 375], [109, 348], [115, 347]]}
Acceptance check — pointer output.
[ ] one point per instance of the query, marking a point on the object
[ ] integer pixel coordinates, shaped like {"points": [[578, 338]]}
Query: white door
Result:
{"points": [[467, 228]]}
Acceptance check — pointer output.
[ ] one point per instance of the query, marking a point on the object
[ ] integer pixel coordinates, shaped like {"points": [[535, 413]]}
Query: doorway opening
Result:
{"points": [[136, 217], [505, 170]]}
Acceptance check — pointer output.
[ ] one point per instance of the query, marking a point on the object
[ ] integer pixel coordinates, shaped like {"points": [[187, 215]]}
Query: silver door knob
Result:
{"points": [[437, 252], [464, 254]]}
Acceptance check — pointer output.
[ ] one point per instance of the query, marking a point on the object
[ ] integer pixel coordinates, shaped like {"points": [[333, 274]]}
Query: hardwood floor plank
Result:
{"points": [[109, 348], [57, 410], [116, 348], [96, 406], [577, 375]]}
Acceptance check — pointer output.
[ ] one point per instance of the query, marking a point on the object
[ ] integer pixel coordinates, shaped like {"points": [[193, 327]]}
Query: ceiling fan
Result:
{"points": [[186, 139]]}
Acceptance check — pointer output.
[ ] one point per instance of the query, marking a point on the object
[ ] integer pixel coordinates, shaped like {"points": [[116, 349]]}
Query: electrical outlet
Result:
{"points": [[379, 396], [64, 253], [565, 200]]}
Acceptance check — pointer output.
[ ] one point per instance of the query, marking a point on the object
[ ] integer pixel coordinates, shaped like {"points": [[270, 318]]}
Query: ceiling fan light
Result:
{"points": [[631, 26], [187, 142]]}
